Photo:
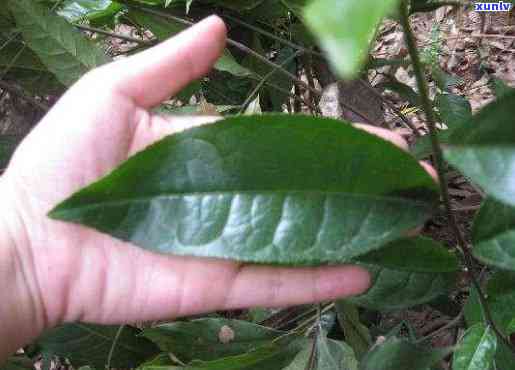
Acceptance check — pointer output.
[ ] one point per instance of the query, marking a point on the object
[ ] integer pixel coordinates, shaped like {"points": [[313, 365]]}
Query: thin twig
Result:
{"points": [[115, 35], [265, 78], [440, 168], [451, 324], [272, 36]]}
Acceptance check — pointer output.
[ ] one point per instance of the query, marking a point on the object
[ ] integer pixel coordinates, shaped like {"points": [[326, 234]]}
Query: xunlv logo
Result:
{"points": [[501, 6]]}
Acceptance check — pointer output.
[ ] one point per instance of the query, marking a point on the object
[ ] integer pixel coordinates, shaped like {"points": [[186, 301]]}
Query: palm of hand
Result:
{"points": [[80, 274]]}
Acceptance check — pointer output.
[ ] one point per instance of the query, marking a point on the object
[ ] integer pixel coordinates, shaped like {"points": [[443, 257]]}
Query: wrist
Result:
{"points": [[22, 314]]}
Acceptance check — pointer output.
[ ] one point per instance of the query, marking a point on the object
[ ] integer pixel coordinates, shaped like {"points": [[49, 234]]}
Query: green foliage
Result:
{"points": [[203, 339], [280, 189], [347, 47], [494, 235], [396, 289], [61, 48], [476, 350], [262, 196], [483, 150], [93, 345], [399, 354]]}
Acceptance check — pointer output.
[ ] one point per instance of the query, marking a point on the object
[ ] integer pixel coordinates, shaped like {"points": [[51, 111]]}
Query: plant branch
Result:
{"points": [[440, 167], [265, 78], [115, 35], [272, 36]]}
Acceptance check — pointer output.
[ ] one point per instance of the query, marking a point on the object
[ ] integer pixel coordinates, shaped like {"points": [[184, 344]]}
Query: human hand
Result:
{"points": [[66, 272]]}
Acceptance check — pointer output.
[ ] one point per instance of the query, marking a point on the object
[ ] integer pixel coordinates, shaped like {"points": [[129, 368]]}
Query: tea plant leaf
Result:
{"points": [[85, 344], [62, 49], [324, 354], [414, 254], [500, 297], [476, 349], [399, 354], [273, 356], [334, 355], [95, 11], [345, 29], [396, 290], [203, 339], [164, 29], [356, 334], [493, 235], [484, 149], [278, 189]]}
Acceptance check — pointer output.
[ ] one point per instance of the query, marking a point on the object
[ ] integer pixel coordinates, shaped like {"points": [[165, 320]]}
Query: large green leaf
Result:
{"points": [[95, 11], [476, 349], [414, 254], [61, 48], [493, 235], [500, 297], [324, 354], [164, 28], [85, 344], [356, 334], [484, 149], [345, 29], [396, 290], [399, 354], [210, 339], [273, 356], [334, 355], [276, 189]]}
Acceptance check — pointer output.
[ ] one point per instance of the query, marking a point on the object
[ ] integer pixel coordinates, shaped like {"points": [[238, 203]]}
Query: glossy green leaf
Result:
{"points": [[493, 235], [400, 354], [345, 29], [210, 339], [500, 292], [396, 290], [414, 254], [274, 356], [356, 334], [484, 149], [324, 354], [164, 28], [61, 48], [86, 344], [278, 189], [334, 355], [96, 11], [476, 349]]}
